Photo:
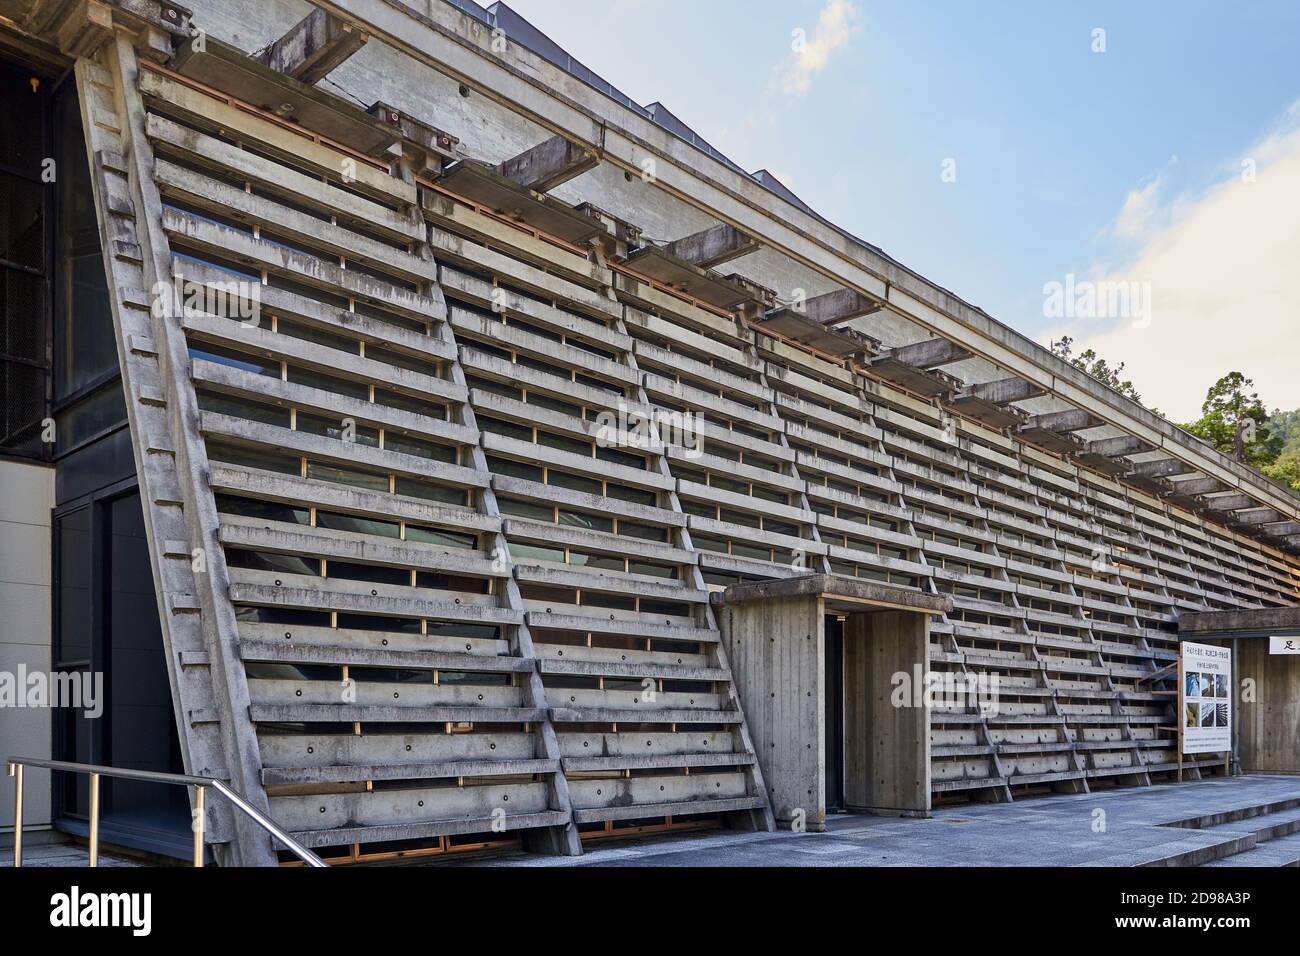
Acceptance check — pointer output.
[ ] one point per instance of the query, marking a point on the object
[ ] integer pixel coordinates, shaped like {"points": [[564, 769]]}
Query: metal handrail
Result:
{"points": [[200, 785]]}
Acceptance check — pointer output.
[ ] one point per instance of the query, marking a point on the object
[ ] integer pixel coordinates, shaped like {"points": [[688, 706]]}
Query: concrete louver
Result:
{"points": [[713, 246], [550, 163], [313, 47]]}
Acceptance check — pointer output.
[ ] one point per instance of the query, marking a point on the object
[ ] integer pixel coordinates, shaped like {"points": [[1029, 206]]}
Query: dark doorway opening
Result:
{"points": [[834, 684], [107, 627]]}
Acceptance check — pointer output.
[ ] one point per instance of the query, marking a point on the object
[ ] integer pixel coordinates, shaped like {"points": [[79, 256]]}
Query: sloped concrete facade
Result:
{"points": [[427, 584]]}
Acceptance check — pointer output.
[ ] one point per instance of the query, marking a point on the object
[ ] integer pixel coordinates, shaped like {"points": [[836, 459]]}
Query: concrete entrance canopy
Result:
{"points": [[775, 636], [1267, 729]]}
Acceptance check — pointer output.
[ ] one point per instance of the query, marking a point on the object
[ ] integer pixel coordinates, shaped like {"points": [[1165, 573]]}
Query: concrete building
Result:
{"points": [[450, 452]]}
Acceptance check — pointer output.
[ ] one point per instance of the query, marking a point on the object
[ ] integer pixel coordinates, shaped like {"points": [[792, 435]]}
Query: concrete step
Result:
{"points": [[1282, 851], [1235, 815], [1243, 830]]}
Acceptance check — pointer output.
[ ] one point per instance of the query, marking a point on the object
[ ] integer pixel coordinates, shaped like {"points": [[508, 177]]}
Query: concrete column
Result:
{"points": [[777, 651], [886, 735], [1268, 730]]}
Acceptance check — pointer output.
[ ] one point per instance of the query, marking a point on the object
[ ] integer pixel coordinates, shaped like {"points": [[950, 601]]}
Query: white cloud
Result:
{"points": [[810, 54], [1222, 268], [1136, 215]]}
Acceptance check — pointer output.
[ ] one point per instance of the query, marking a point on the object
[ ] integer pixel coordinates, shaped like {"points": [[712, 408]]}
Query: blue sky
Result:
{"points": [[1067, 161]]}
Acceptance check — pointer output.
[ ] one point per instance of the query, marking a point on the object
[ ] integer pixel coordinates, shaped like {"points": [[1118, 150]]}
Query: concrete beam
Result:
{"points": [[1001, 392], [313, 47], [1212, 623], [713, 246], [548, 164], [1117, 447], [1196, 486], [1069, 420], [78, 28], [1282, 529], [842, 305], [929, 354], [1232, 502], [863, 594], [1160, 468], [1257, 516]]}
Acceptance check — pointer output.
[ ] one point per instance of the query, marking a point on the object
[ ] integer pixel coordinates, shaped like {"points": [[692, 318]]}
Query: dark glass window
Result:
{"points": [[88, 398], [24, 257]]}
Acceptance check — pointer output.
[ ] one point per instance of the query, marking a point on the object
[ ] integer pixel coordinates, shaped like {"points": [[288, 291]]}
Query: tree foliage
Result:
{"points": [[1286, 470], [1090, 362], [1233, 418], [1235, 421]]}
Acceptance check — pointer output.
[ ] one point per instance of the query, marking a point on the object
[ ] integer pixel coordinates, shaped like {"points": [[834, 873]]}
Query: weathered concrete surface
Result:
{"points": [[886, 747], [548, 164], [313, 47], [1191, 623], [835, 586], [842, 305], [777, 653], [713, 246], [929, 354], [1068, 420], [1001, 391]]}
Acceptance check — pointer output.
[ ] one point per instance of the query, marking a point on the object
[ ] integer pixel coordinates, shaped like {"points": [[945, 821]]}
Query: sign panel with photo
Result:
{"points": [[1206, 698]]}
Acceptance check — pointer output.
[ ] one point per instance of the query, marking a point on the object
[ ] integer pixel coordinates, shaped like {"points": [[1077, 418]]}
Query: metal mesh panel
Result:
{"points": [[23, 360], [23, 368], [22, 235], [23, 333]]}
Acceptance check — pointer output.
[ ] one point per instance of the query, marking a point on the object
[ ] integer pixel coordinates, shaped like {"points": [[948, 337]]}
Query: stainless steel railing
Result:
{"points": [[16, 766]]}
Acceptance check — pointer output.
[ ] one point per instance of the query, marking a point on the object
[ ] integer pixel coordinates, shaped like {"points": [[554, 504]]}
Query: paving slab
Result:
{"points": [[1117, 827]]}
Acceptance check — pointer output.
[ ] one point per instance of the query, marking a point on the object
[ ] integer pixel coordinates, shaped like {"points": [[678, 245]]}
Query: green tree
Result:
{"points": [[1234, 421], [1097, 367], [1286, 470], [1286, 427]]}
